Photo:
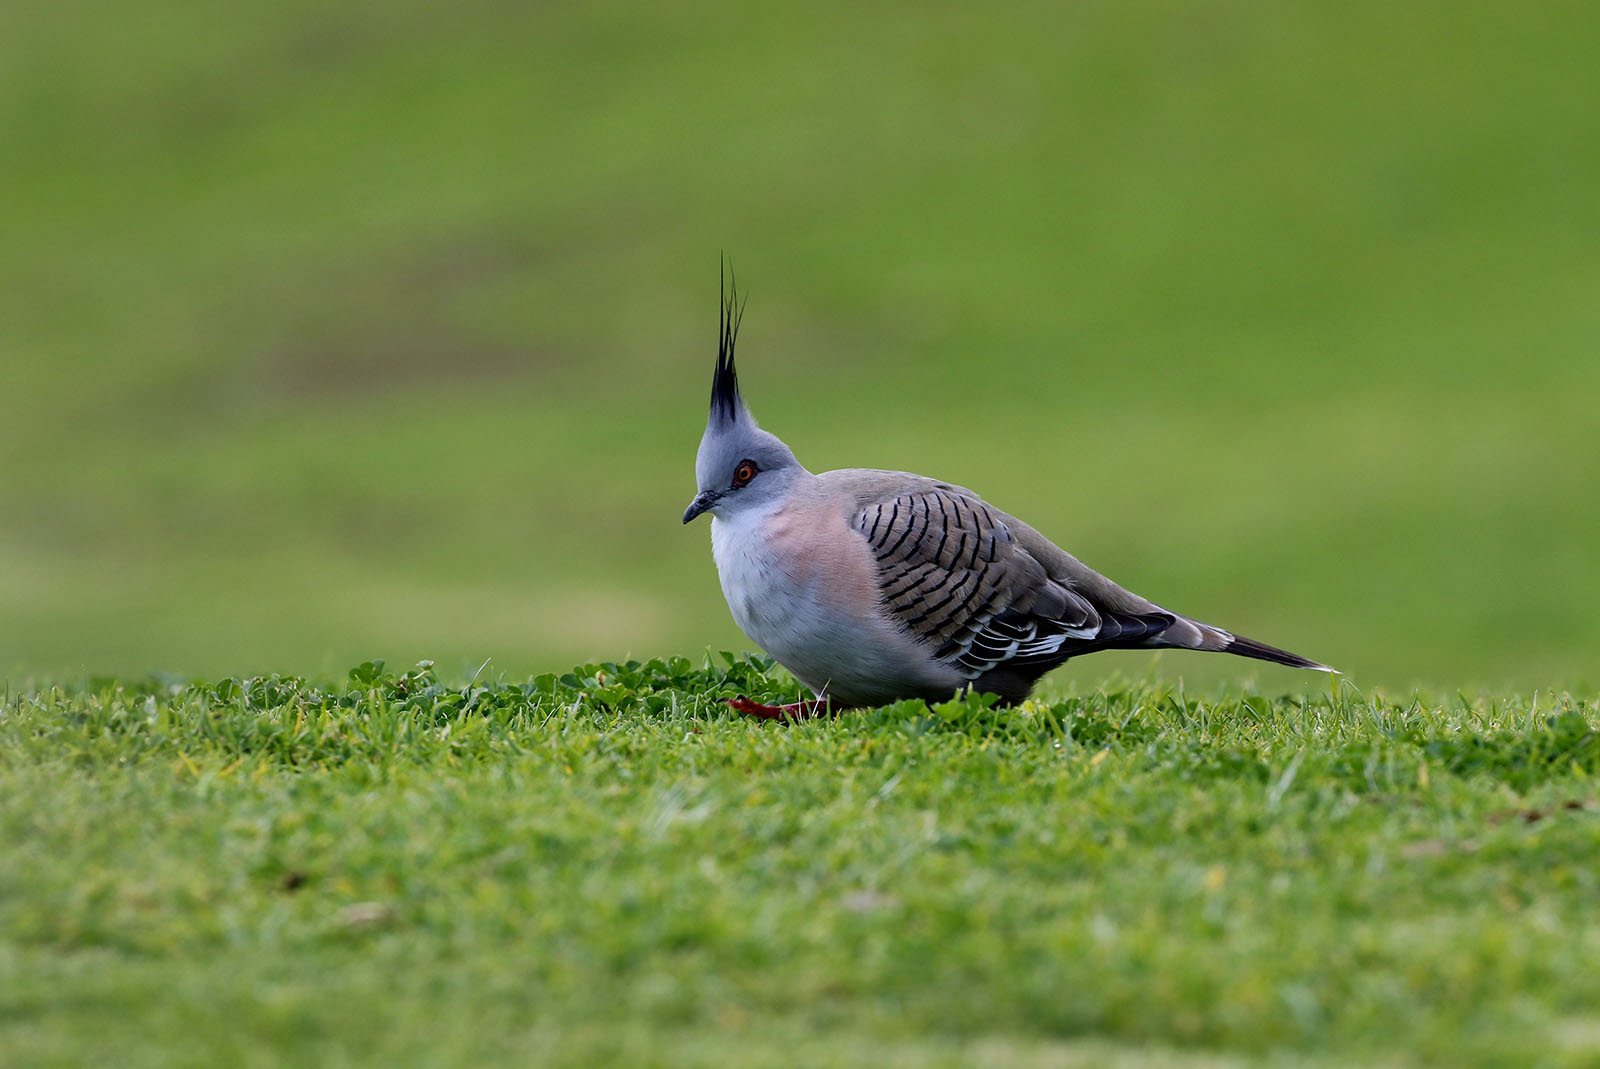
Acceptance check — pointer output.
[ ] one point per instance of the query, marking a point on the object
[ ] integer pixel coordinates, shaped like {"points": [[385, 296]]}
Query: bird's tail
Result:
{"points": [[1192, 634], [1249, 647]]}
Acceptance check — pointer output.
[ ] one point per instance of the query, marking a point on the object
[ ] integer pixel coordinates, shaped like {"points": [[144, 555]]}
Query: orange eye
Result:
{"points": [[744, 472]]}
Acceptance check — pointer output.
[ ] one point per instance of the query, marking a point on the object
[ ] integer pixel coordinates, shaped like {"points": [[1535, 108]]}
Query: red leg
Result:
{"points": [[796, 711]]}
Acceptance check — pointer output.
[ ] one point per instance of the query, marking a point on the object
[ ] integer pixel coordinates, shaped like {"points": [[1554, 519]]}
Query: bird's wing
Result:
{"points": [[953, 575]]}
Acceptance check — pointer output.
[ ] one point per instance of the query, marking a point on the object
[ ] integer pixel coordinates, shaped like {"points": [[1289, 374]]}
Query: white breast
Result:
{"points": [[765, 603]]}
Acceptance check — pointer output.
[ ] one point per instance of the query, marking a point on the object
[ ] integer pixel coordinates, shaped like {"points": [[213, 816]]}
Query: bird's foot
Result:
{"points": [[794, 711]]}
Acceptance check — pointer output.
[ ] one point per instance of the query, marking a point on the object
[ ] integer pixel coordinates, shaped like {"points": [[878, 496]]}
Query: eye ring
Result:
{"points": [[744, 473]]}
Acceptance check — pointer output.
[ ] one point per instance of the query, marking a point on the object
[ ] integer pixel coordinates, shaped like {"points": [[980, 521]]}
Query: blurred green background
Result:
{"points": [[345, 330]]}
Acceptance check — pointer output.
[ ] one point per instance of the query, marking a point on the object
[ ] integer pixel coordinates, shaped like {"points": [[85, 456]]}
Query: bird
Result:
{"points": [[874, 586]]}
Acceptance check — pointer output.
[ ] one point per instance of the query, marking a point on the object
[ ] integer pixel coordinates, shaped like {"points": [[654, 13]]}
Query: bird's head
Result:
{"points": [[739, 466]]}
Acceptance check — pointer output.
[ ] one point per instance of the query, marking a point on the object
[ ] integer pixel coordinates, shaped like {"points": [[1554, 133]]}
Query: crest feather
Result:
{"points": [[725, 382]]}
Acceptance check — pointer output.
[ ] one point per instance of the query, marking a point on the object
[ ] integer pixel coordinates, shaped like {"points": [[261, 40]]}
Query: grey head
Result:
{"points": [[739, 466]]}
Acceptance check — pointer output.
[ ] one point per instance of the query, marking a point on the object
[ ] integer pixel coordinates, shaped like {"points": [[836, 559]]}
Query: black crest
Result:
{"points": [[725, 383]]}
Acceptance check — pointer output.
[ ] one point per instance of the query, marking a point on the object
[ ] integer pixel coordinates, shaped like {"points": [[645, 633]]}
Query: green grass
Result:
{"points": [[607, 866], [344, 330]]}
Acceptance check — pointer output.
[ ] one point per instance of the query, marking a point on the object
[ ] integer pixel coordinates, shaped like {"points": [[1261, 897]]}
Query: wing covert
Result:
{"points": [[953, 576]]}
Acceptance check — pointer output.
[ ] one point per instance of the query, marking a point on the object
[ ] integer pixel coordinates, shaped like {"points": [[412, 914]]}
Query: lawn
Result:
{"points": [[607, 866]]}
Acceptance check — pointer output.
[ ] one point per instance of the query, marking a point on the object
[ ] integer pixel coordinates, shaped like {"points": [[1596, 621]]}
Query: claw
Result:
{"points": [[796, 711]]}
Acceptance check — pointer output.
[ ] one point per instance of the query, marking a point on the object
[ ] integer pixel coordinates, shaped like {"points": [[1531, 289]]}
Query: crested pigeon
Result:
{"points": [[873, 586]]}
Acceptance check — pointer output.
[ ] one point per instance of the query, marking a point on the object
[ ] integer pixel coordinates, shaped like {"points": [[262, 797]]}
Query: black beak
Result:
{"points": [[702, 502]]}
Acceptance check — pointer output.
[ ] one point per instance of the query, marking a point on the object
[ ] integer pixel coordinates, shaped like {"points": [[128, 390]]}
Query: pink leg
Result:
{"points": [[796, 711]]}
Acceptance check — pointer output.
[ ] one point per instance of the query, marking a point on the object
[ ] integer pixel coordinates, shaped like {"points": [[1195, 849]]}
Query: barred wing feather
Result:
{"points": [[952, 575]]}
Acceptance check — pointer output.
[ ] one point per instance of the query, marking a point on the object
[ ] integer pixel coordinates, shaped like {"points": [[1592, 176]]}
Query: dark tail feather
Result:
{"points": [[1249, 647]]}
